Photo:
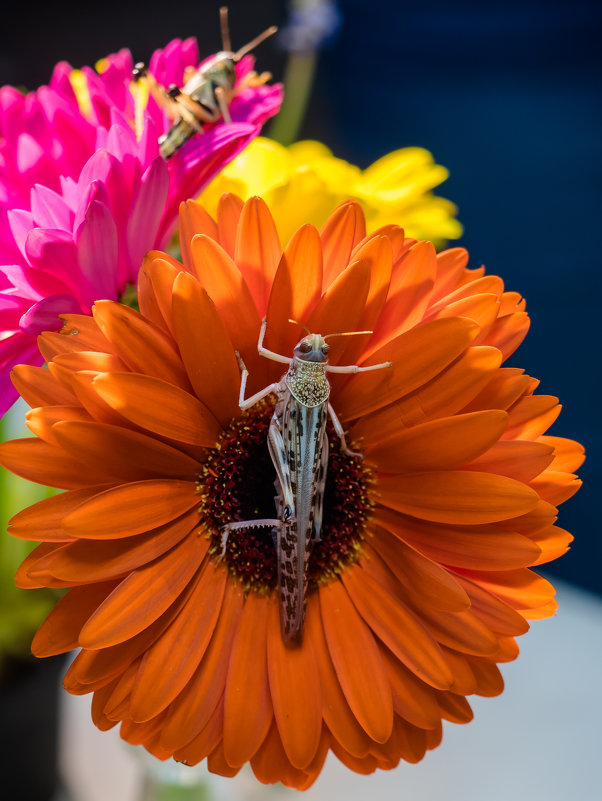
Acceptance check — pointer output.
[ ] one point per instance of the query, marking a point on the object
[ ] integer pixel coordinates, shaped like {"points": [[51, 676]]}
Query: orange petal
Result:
{"points": [[424, 580], [516, 459], [125, 454], [464, 680], [342, 305], [443, 396], [83, 330], [296, 288], [159, 407], [207, 739], [461, 631], [82, 384], [89, 360], [98, 704], [32, 574], [343, 230], [378, 252], [411, 285], [503, 389], [481, 309], [226, 287], [270, 764], [495, 614], [482, 548], [397, 627], [91, 560], [450, 269], [489, 679], [363, 681], [417, 357], [144, 595], [131, 509], [413, 700], [171, 661], [194, 220], [257, 250], [248, 708], [42, 520], [456, 496], [532, 416], [555, 487], [49, 465], [508, 332], [488, 284], [60, 631], [41, 420], [155, 284], [38, 387], [445, 443], [141, 345], [192, 710], [521, 589], [455, 708], [205, 348], [337, 715], [98, 666], [52, 345], [553, 541], [295, 690], [568, 454], [229, 208]]}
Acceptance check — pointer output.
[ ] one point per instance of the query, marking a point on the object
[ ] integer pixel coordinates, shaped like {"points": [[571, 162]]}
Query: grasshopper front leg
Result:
{"points": [[246, 403]]}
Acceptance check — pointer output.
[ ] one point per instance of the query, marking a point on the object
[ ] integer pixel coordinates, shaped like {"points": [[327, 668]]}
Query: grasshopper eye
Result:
{"points": [[305, 347], [325, 348]]}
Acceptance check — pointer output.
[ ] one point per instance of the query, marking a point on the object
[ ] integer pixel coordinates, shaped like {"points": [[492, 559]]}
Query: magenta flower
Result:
{"points": [[82, 198]]}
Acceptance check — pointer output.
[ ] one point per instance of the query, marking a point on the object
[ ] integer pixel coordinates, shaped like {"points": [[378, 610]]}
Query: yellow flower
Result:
{"points": [[303, 182]]}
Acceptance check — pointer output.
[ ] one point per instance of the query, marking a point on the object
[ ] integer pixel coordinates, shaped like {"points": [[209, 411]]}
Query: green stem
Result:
{"points": [[298, 80]]}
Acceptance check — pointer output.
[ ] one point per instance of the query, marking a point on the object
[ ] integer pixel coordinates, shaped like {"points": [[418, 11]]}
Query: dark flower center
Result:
{"points": [[238, 483]]}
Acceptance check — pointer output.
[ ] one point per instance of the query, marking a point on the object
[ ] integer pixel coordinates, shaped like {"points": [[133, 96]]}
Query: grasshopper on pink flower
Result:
{"points": [[298, 446]]}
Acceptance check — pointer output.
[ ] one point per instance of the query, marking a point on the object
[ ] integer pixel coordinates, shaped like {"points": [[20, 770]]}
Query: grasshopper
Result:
{"points": [[206, 94], [298, 446]]}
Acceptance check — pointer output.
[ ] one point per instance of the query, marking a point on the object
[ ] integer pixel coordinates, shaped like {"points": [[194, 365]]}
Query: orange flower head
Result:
{"points": [[420, 580]]}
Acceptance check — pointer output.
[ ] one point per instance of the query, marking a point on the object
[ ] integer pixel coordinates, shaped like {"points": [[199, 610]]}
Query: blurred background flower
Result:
{"points": [[305, 181]]}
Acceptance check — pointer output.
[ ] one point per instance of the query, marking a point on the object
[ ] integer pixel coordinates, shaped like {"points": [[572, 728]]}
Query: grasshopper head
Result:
{"points": [[312, 348]]}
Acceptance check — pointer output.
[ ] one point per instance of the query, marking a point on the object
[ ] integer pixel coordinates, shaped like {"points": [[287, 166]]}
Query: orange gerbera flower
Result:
{"points": [[421, 581]]}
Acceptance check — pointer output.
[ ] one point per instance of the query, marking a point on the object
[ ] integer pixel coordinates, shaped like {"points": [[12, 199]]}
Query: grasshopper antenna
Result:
{"points": [[294, 322], [253, 43], [225, 28], [346, 334]]}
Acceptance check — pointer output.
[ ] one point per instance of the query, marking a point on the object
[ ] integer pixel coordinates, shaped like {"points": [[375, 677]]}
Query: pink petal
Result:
{"points": [[34, 284], [53, 252], [49, 209], [96, 247], [44, 315], [146, 210], [21, 223]]}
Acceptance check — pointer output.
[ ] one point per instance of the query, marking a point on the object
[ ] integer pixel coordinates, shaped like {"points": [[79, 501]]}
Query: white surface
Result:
{"points": [[540, 740]]}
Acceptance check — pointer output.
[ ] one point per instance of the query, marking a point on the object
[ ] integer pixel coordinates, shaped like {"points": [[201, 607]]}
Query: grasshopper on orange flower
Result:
{"points": [[298, 446]]}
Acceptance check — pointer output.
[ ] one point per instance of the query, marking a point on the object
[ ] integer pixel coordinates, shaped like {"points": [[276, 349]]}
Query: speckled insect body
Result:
{"points": [[298, 446]]}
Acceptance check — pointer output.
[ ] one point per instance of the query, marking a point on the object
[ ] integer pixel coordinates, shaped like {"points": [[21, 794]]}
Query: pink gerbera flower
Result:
{"points": [[82, 197]]}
